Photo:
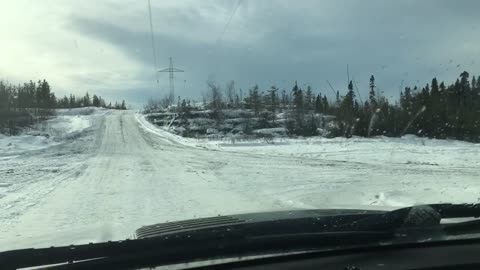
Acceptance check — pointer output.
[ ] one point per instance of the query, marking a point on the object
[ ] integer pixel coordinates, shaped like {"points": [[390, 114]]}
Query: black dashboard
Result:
{"points": [[461, 256]]}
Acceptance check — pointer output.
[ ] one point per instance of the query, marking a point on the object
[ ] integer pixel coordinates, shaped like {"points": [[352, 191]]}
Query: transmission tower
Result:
{"points": [[171, 70]]}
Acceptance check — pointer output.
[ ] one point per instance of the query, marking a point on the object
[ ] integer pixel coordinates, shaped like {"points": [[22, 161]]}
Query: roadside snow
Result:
{"points": [[372, 172], [67, 124], [171, 138], [11, 144], [409, 150]]}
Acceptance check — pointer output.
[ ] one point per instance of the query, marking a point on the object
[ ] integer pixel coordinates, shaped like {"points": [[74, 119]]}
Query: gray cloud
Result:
{"points": [[277, 42]]}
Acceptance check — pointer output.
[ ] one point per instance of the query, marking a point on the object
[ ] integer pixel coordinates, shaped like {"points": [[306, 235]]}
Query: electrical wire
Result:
{"points": [[155, 62], [228, 22]]}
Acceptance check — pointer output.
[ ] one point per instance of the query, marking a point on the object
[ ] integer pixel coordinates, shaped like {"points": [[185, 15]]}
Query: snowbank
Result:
{"points": [[408, 150], [68, 124], [80, 111], [170, 137]]}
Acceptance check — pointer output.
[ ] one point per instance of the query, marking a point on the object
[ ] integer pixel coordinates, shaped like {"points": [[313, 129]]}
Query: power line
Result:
{"points": [[331, 87], [228, 22], [348, 75], [155, 63]]}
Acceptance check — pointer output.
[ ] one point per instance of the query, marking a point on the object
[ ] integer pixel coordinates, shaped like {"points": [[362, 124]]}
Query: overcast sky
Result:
{"points": [[104, 46]]}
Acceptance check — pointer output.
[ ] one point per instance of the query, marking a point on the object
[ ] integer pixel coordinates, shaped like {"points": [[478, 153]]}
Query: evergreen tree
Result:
{"points": [[65, 103], [95, 101], [52, 101], [86, 101], [272, 99], [298, 100], [318, 104], [255, 100], [372, 95], [325, 104], [72, 101], [346, 110], [285, 99], [309, 99]]}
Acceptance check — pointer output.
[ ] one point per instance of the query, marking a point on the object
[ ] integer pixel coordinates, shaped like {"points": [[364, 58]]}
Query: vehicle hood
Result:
{"points": [[162, 229]]}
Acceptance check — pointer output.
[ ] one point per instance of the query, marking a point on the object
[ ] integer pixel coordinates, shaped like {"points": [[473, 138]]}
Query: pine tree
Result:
{"points": [[372, 95], [272, 99], [325, 104], [95, 101], [464, 81], [183, 106], [434, 108], [65, 102], [52, 101], [435, 88], [255, 100], [318, 104], [86, 101], [309, 99], [72, 101], [298, 100], [285, 100], [346, 110]]}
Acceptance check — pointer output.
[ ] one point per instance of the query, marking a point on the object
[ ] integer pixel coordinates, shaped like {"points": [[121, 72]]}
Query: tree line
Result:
{"points": [[436, 110], [23, 104]]}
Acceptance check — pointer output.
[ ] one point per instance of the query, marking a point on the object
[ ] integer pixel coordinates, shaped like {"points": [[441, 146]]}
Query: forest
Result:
{"points": [[436, 110], [23, 105]]}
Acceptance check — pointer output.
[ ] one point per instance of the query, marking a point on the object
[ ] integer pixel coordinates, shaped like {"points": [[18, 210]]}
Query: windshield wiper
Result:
{"points": [[421, 216], [246, 239]]}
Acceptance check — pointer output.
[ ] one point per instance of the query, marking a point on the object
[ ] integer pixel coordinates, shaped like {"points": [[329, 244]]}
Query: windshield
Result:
{"points": [[120, 114]]}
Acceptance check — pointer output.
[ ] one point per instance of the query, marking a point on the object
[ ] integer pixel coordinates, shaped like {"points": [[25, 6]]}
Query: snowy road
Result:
{"points": [[119, 176]]}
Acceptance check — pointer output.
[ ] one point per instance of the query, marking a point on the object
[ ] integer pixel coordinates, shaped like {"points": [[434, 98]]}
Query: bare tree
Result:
{"points": [[230, 92], [215, 95]]}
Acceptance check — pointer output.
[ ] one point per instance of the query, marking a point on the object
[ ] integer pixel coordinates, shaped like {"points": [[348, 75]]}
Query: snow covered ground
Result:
{"points": [[120, 172], [67, 124]]}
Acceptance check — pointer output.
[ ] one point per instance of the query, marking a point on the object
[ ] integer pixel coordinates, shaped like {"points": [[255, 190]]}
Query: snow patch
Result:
{"points": [[68, 124], [170, 137]]}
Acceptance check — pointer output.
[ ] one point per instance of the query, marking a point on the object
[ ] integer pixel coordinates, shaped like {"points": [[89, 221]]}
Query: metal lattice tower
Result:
{"points": [[171, 70]]}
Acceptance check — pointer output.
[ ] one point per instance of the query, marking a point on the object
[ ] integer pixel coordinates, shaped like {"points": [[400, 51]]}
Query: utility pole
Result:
{"points": [[171, 70]]}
